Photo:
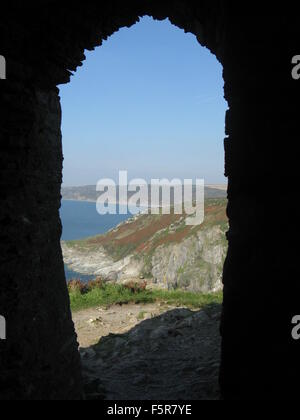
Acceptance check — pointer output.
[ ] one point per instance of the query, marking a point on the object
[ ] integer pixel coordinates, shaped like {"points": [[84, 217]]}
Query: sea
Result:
{"points": [[81, 220]]}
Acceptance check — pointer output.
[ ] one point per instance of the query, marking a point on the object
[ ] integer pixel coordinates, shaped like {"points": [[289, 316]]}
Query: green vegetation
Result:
{"points": [[106, 294], [118, 252], [141, 315]]}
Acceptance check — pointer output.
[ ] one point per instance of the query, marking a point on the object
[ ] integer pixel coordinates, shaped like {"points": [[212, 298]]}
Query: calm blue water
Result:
{"points": [[80, 220]]}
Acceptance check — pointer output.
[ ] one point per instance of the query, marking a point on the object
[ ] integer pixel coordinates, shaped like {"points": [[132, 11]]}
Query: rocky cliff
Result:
{"points": [[160, 248]]}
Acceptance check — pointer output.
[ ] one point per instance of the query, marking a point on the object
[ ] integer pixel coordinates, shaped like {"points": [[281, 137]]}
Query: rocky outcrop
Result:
{"points": [[99, 263], [195, 264]]}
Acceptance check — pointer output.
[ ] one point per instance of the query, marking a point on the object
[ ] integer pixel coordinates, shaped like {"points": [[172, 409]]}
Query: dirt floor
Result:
{"points": [[149, 352]]}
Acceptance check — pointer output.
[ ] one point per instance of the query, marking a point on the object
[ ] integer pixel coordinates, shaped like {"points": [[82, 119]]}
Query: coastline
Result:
{"points": [[218, 187]]}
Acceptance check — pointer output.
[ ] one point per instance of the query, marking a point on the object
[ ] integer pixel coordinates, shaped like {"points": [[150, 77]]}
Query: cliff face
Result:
{"points": [[195, 263], [161, 249]]}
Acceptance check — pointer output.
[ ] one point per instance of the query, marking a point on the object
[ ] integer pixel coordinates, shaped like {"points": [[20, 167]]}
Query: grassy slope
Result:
{"points": [[111, 294]]}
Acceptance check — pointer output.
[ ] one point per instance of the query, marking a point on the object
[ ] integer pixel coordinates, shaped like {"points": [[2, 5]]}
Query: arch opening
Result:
{"points": [[165, 109]]}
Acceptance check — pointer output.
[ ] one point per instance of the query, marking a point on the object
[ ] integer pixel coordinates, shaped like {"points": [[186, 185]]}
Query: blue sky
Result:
{"points": [[150, 101]]}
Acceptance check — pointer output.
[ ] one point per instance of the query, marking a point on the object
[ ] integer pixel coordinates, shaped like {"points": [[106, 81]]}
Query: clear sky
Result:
{"points": [[150, 101]]}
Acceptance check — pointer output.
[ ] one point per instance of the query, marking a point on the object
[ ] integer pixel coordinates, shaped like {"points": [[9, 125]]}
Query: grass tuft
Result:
{"points": [[101, 294]]}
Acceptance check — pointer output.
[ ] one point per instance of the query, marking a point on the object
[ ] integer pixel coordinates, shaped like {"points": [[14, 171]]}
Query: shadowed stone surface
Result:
{"points": [[43, 43], [175, 356]]}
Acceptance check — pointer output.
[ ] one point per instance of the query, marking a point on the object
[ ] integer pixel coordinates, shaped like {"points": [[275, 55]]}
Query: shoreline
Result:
{"points": [[219, 187]]}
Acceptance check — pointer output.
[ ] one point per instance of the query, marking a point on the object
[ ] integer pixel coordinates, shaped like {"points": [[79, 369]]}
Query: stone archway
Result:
{"points": [[39, 359]]}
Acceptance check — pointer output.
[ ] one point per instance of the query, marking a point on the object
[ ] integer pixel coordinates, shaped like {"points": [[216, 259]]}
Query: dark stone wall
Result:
{"points": [[39, 359], [44, 43], [261, 294]]}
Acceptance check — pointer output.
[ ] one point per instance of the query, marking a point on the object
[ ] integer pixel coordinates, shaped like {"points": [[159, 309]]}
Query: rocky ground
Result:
{"points": [[149, 352]]}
